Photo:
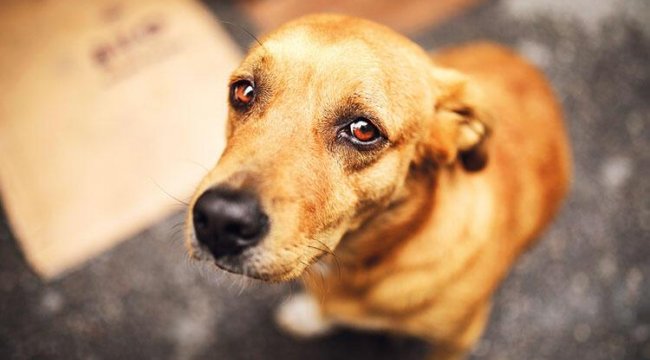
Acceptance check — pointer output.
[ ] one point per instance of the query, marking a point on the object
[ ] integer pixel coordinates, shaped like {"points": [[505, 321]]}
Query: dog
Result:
{"points": [[400, 186]]}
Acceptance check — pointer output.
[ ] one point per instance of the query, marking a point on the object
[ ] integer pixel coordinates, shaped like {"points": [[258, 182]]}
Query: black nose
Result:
{"points": [[228, 221]]}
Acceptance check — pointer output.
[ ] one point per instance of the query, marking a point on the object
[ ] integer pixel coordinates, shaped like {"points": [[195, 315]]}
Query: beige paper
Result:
{"points": [[104, 107]]}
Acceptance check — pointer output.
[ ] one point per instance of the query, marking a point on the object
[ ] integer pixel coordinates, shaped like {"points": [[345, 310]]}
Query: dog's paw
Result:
{"points": [[301, 317]]}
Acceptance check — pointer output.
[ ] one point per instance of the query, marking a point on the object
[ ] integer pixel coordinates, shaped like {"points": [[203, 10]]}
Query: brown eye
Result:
{"points": [[363, 131], [242, 94]]}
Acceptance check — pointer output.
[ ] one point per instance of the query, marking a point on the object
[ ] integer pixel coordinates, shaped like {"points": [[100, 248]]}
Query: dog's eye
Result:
{"points": [[364, 131], [242, 94]]}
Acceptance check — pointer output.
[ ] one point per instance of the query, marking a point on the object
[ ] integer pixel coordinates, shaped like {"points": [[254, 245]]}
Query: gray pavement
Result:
{"points": [[582, 293]]}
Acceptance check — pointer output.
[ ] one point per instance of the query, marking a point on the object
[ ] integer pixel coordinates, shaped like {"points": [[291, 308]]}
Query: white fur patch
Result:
{"points": [[301, 317]]}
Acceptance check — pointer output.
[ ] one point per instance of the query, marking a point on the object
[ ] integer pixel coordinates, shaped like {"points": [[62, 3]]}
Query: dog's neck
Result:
{"points": [[384, 231]]}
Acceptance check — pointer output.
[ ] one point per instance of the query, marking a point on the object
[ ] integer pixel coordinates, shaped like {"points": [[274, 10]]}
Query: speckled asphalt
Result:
{"points": [[582, 293]]}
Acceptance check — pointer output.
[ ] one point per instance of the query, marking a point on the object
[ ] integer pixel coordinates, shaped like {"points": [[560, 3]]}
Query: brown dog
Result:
{"points": [[423, 183]]}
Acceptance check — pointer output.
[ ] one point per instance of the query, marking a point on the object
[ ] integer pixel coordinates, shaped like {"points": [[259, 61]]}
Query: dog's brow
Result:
{"points": [[239, 76], [252, 68]]}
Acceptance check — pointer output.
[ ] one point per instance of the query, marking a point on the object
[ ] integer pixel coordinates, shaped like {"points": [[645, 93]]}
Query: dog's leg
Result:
{"points": [[465, 339], [301, 316]]}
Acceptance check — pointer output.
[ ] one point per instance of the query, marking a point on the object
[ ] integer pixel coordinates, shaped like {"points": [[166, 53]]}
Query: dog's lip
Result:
{"points": [[200, 254], [226, 268], [290, 273], [281, 276]]}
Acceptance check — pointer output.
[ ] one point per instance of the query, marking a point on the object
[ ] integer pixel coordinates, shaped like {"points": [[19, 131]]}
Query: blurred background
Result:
{"points": [[583, 292]]}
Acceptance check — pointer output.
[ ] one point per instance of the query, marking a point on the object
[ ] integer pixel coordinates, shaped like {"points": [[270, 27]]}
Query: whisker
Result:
{"points": [[317, 248], [307, 265], [244, 30], [310, 276], [180, 224], [243, 284], [200, 270], [336, 258], [168, 194], [175, 233], [199, 165]]}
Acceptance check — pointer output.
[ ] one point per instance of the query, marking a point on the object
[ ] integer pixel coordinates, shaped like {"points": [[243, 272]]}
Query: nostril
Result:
{"points": [[200, 220], [251, 229], [236, 229]]}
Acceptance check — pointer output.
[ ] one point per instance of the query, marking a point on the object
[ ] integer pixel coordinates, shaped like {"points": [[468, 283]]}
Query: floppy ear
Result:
{"points": [[460, 126]]}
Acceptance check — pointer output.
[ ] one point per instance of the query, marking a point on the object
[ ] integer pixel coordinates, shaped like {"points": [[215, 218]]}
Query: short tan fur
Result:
{"points": [[424, 227]]}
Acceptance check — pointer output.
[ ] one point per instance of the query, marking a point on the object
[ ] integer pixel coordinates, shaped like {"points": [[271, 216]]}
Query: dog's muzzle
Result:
{"points": [[228, 221]]}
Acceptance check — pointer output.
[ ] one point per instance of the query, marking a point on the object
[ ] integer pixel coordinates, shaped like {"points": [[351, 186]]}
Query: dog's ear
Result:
{"points": [[460, 126]]}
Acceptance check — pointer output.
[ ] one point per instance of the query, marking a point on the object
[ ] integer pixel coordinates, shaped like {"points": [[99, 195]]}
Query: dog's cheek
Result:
{"points": [[375, 186]]}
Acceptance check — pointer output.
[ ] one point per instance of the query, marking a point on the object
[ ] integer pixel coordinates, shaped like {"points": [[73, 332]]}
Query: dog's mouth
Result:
{"points": [[264, 276], [259, 264], [251, 271]]}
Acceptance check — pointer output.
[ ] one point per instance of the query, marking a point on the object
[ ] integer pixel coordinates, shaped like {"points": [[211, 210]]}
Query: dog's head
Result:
{"points": [[328, 117]]}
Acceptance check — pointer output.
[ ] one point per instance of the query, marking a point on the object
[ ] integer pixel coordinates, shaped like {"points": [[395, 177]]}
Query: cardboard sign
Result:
{"points": [[107, 108]]}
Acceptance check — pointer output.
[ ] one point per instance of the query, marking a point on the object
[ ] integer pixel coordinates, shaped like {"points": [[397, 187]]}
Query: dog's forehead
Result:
{"points": [[296, 51], [325, 65], [317, 67]]}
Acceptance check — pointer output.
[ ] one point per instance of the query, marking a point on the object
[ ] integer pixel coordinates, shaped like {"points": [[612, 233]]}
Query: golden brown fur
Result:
{"points": [[422, 233]]}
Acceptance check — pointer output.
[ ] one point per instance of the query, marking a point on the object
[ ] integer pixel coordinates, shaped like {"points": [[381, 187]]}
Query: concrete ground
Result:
{"points": [[582, 293]]}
